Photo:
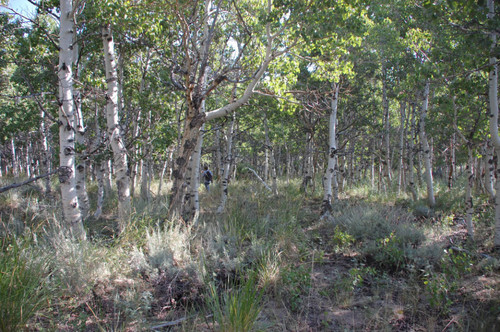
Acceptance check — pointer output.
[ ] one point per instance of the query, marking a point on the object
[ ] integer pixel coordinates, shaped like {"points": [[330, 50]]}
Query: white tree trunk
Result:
{"points": [[387, 127], [99, 173], [114, 134], [135, 151], [14, 157], [274, 175], [218, 154], [411, 156], [326, 205], [493, 105], [164, 169], [372, 170], [307, 175], [45, 163], [71, 210], [194, 196], [453, 143], [402, 134], [490, 169], [81, 167], [469, 206], [227, 165], [267, 148], [426, 148]]}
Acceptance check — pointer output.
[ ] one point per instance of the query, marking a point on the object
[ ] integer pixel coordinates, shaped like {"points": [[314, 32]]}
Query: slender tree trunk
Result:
{"points": [[219, 166], [274, 175], [326, 205], [135, 152], [387, 127], [372, 170], [14, 157], [45, 163], [267, 148], [270, 162], [228, 160], [307, 170], [114, 133], [493, 106], [426, 149], [146, 173], [71, 210], [469, 206], [81, 167], [452, 170], [490, 169], [164, 169], [411, 156], [452, 173], [402, 134], [99, 173], [288, 164], [194, 205]]}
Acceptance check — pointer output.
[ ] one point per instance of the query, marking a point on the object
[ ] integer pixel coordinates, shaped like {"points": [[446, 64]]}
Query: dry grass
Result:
{"points": [[378, 267]]}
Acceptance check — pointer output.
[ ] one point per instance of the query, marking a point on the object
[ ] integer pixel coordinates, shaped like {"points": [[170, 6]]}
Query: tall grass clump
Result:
{"points": [[77, 265], [23, 284], [237, 309]]}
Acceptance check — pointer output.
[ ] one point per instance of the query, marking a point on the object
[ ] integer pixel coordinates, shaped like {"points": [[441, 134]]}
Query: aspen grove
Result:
{"points": [[353, 145]]}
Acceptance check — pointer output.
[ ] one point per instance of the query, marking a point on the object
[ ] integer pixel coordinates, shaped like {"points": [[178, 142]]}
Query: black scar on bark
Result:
{"points": [[180, 161]]}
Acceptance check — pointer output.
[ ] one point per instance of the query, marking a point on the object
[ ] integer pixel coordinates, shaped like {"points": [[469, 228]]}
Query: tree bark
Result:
{"points": [[493, 106], [14, 157], [490, 169], [193, 203], [45, 162], [387, 127], [120, 166], [411, 156], [195, 119], [71, 210], [307, 175], [99, 173], [227, 165], [81, 167], [469, 206], [328, 178], [267, 148], [426, 149], [402, 134]]}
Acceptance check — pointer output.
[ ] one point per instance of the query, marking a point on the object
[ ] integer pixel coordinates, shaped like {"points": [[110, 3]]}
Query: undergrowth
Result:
{"points": [[268, 262]]}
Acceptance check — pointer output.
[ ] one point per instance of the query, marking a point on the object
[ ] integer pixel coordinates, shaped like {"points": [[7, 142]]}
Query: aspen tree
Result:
{"points": [[113, 128], [326, 205], [71, 210], [426, 148], [493, 106]]}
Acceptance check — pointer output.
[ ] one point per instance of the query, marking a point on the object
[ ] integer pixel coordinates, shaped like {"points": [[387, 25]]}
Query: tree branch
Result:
{"points": [[16, 185]]}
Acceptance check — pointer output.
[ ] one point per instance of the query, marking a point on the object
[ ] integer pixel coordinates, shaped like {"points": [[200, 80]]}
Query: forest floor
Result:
{"points": [[268, 263]]}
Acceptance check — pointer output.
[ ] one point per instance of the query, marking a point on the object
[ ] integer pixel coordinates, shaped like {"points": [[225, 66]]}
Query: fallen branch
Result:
{"points": [[479, 255], [174, 322], [16, 185], [260, 179]]}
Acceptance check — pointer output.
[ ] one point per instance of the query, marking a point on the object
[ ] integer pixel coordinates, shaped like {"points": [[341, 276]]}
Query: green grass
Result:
{"points": [[24, 285], [267, 261], [237, 308]]}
